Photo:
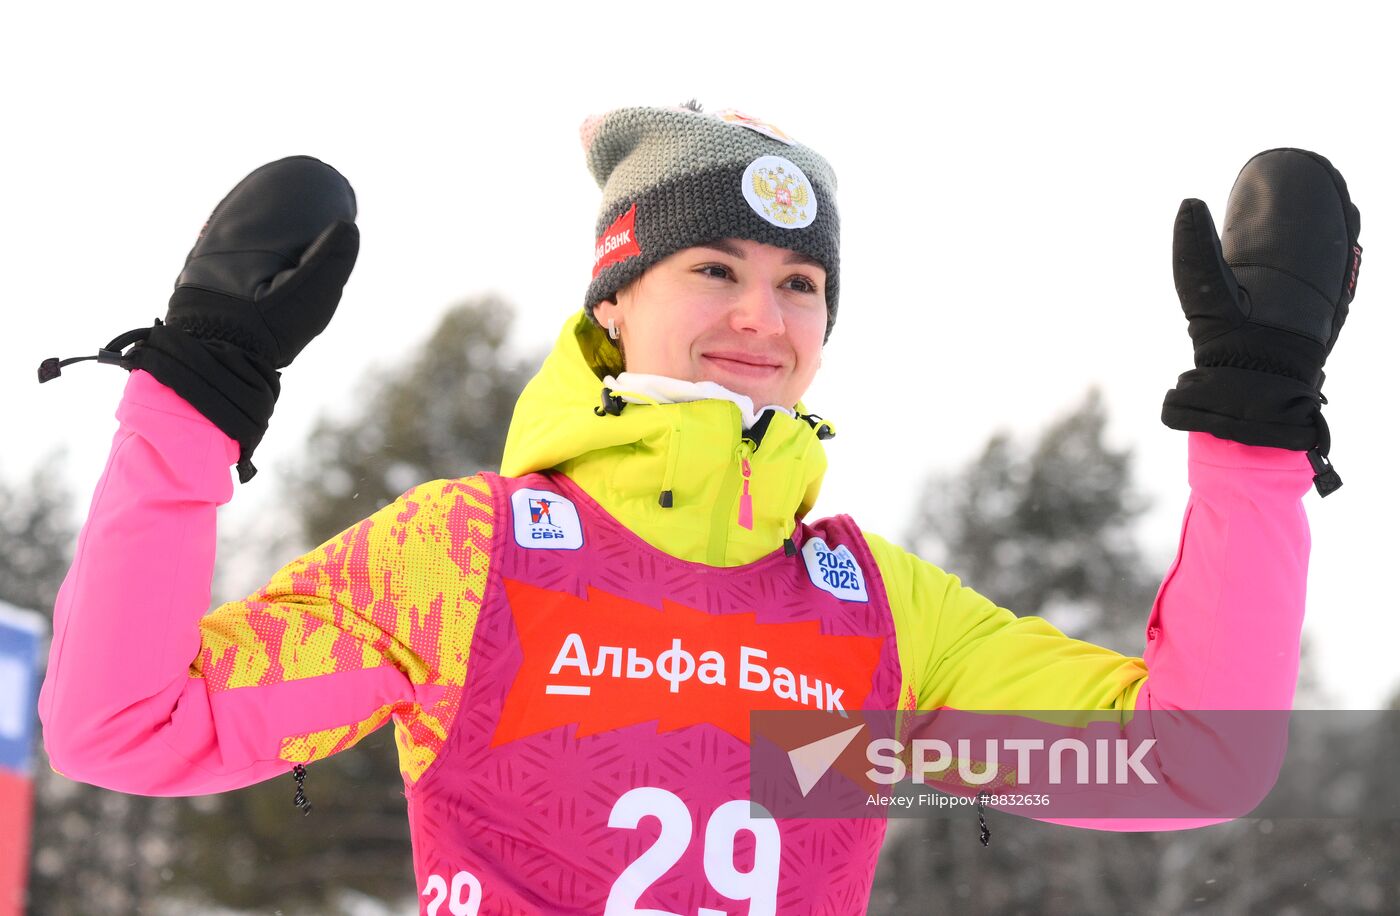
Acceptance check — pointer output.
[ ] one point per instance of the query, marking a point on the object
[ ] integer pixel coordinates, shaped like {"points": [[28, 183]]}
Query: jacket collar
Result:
{"points": [[734, 495]]}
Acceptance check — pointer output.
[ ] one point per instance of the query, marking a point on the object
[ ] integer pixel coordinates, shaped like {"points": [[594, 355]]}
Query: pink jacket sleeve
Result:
{"points": [[1226, 627], [1223, 632], [146, 694]]}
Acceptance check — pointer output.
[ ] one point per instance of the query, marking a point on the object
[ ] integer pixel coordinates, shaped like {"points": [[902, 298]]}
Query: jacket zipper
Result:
{"points": [[745, 497], [735, 490]]}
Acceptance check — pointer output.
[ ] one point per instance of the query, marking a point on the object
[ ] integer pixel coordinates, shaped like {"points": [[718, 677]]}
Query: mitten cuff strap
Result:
{"points": [[1247, 406], [235, 389]]}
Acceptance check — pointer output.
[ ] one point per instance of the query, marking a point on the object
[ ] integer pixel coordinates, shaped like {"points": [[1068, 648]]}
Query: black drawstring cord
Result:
{"points": [[1325, 477], [822, 427], [299, 800], [986, 835], [612, 404], [111, 354]]}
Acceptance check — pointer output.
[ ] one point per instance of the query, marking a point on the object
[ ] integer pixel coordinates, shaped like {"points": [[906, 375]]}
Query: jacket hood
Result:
{"points": [[734, 495]]}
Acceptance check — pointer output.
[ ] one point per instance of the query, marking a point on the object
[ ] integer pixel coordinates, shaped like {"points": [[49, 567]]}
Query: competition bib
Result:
{"points": [[600, 760]]}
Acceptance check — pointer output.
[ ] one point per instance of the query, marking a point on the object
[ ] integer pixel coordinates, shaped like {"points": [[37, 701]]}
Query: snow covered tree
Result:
{"points": [[36, 537], [443, 412], [1047, 529]]}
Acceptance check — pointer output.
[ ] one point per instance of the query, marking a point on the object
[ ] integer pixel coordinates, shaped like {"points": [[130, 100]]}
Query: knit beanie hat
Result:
{"points": [[677, 177]]}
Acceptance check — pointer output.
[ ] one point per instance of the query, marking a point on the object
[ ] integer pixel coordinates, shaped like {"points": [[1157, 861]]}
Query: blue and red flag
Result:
{"points": [[21, 638]]}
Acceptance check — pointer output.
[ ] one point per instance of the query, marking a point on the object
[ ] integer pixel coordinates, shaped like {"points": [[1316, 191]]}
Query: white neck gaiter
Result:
{"points": [[640, 388]]}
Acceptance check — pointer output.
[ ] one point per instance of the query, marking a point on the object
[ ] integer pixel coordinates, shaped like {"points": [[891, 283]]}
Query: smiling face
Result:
{"points": [[749, 316]]}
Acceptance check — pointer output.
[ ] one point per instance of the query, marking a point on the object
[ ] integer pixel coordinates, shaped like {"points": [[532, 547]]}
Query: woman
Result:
{"points": [[570, 651]]}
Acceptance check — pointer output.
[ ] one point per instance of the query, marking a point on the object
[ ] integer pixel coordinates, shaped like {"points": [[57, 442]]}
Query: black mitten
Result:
{"points": [[263, 279], [1265, 306]]}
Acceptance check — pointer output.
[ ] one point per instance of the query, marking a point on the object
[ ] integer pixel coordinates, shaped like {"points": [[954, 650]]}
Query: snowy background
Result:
{"points": [[1008, 173]]}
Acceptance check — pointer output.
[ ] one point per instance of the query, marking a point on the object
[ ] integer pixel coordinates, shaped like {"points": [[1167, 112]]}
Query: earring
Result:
{"points": [[612, 329]]}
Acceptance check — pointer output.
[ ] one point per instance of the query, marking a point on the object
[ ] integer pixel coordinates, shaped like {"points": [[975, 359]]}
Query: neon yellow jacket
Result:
{"points": [[692, 450]]}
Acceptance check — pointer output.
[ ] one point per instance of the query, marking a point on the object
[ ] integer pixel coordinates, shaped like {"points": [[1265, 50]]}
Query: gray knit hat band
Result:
{"points": [[675, 178]]}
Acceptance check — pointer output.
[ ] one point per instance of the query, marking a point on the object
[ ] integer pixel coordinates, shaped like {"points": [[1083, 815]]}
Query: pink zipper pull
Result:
{"points": [[745, 499]]}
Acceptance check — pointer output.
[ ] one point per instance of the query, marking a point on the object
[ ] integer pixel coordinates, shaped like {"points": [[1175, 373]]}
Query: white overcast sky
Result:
{"points": [[1009, 173]]}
